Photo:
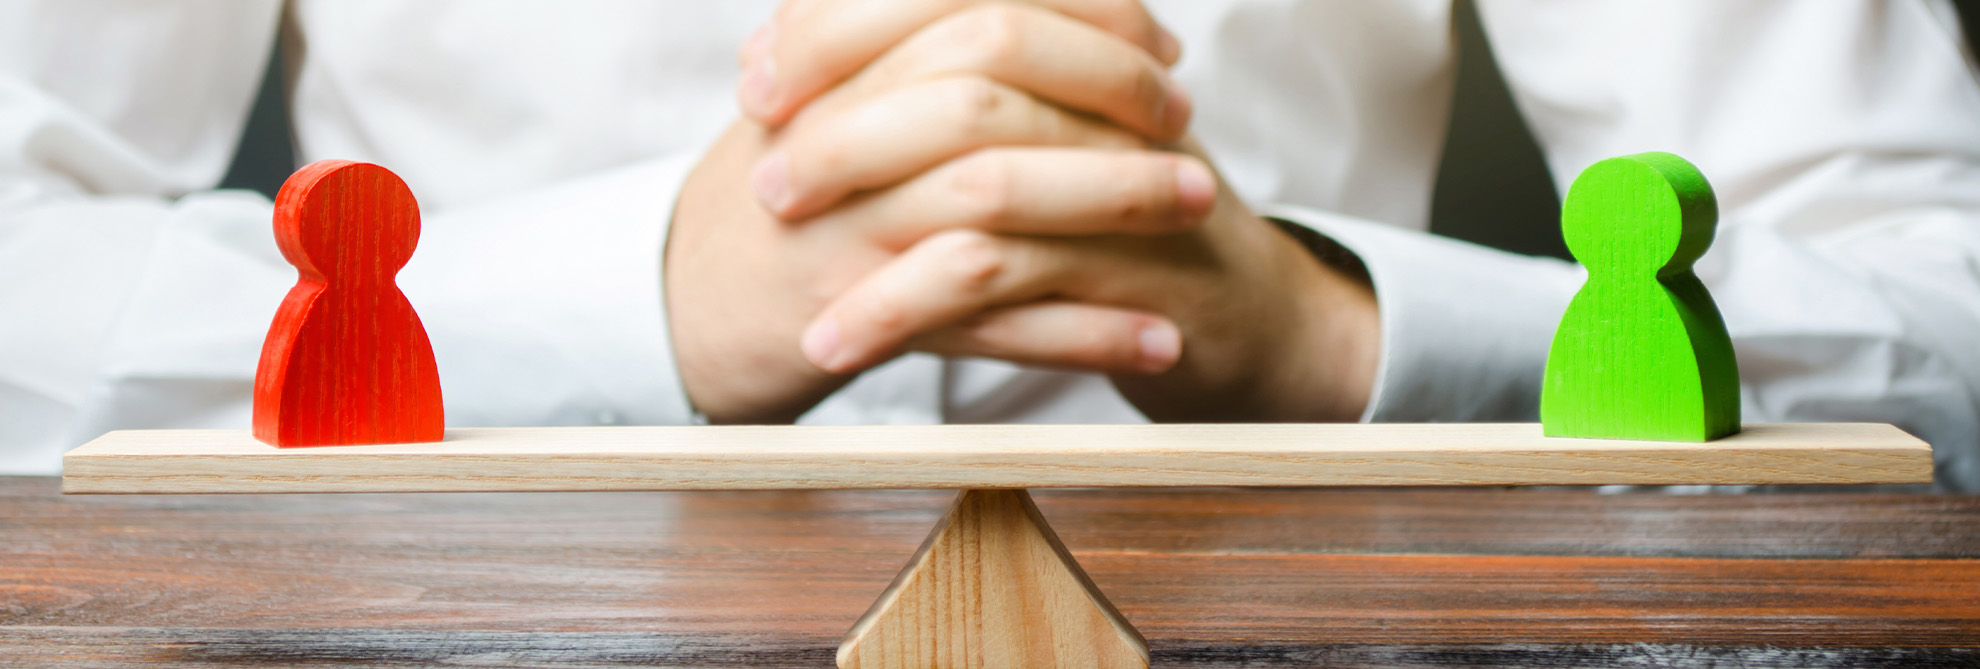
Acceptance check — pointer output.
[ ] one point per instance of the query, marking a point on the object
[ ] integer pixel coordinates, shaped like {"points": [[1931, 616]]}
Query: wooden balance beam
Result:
{"points": [[992, 586]]}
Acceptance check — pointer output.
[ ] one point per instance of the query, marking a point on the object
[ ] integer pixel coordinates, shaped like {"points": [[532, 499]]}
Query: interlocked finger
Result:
{"points": [[900, 134], [812, 45], [944, 279], [1047, 54], [1039, 191], [1063, 334]]}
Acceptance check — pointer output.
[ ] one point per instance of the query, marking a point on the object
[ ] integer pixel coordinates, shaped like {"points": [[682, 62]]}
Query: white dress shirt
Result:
{"points": [[546, 142]]}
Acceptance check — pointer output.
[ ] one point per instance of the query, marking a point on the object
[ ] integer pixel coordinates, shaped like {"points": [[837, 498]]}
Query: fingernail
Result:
{"points": [[759, 87], [821, 344], [759, 42], [1196, 189], [1176, 109], [1161, 346], [772, 182]]}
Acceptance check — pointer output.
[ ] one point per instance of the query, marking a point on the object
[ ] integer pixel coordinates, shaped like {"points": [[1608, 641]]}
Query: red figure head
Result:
{"points": [[341, 221]]}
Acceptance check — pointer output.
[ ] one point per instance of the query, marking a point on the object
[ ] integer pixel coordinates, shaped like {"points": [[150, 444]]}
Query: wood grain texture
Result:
{"points": [[1392, 577], [987, 456], [346, 360], [992, 586], [1641, 352]]}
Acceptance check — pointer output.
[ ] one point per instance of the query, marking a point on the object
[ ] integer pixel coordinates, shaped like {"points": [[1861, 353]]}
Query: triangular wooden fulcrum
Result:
{"points": [[992, 587]]}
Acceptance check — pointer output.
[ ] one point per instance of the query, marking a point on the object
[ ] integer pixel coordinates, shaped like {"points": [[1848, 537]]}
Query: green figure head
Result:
{"points": [[1640, 214]]}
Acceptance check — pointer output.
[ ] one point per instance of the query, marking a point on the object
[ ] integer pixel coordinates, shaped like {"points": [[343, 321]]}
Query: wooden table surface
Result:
{"points": [[1213, 577]]}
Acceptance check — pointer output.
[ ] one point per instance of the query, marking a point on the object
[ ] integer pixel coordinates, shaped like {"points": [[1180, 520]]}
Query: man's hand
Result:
{"points": [[1271, 333], [1007, 150], [741, 284], [812, 45]]}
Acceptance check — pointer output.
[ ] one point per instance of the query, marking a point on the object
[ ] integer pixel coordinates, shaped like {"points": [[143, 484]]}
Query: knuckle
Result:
{"points": [[1146, 90], [981, 187], [992, 32], [1101, 346], [1133, 201], [978, 104], [1129, 210], [815, 159], [974, 259], [1088, 346]]}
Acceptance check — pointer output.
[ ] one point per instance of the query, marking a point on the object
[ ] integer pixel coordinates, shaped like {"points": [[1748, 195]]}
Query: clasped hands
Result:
{"points": [[1004, 180]]}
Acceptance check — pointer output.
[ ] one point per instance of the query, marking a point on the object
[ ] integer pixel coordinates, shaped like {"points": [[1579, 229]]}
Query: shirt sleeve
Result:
{"points": [[1843, 141], [112, 116], [132, 294], [546, 308], [1464, 328]]}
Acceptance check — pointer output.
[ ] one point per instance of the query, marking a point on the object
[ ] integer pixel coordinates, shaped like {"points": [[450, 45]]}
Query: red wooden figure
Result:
{"points": [[346, 361]]}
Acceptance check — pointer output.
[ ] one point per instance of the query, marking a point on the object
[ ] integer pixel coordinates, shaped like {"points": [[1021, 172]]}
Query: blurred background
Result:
{"points": [[1492, 186]]}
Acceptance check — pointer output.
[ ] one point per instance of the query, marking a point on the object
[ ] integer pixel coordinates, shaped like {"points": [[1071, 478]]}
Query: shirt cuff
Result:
{"points": [[546, 308], [1465, 328]]}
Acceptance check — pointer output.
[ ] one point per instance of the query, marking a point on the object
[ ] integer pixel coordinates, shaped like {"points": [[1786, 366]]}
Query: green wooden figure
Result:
{"points": [[1641, 352]]}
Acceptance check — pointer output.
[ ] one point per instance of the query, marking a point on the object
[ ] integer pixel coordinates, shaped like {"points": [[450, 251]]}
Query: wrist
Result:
{"points": [[733, 326], [1335, 348]]}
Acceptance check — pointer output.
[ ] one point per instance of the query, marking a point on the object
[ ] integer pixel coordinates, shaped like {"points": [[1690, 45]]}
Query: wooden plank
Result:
{"points": [[1454, 521], [422, 648], [988, 456], [772, 579]]}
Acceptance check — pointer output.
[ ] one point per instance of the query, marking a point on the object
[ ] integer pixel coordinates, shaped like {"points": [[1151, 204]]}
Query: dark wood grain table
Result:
{"points": [[1213, 577]]}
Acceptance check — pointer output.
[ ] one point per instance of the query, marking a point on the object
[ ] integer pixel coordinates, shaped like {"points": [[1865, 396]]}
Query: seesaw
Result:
{"points": [[991, 586], [1641, 359]]}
